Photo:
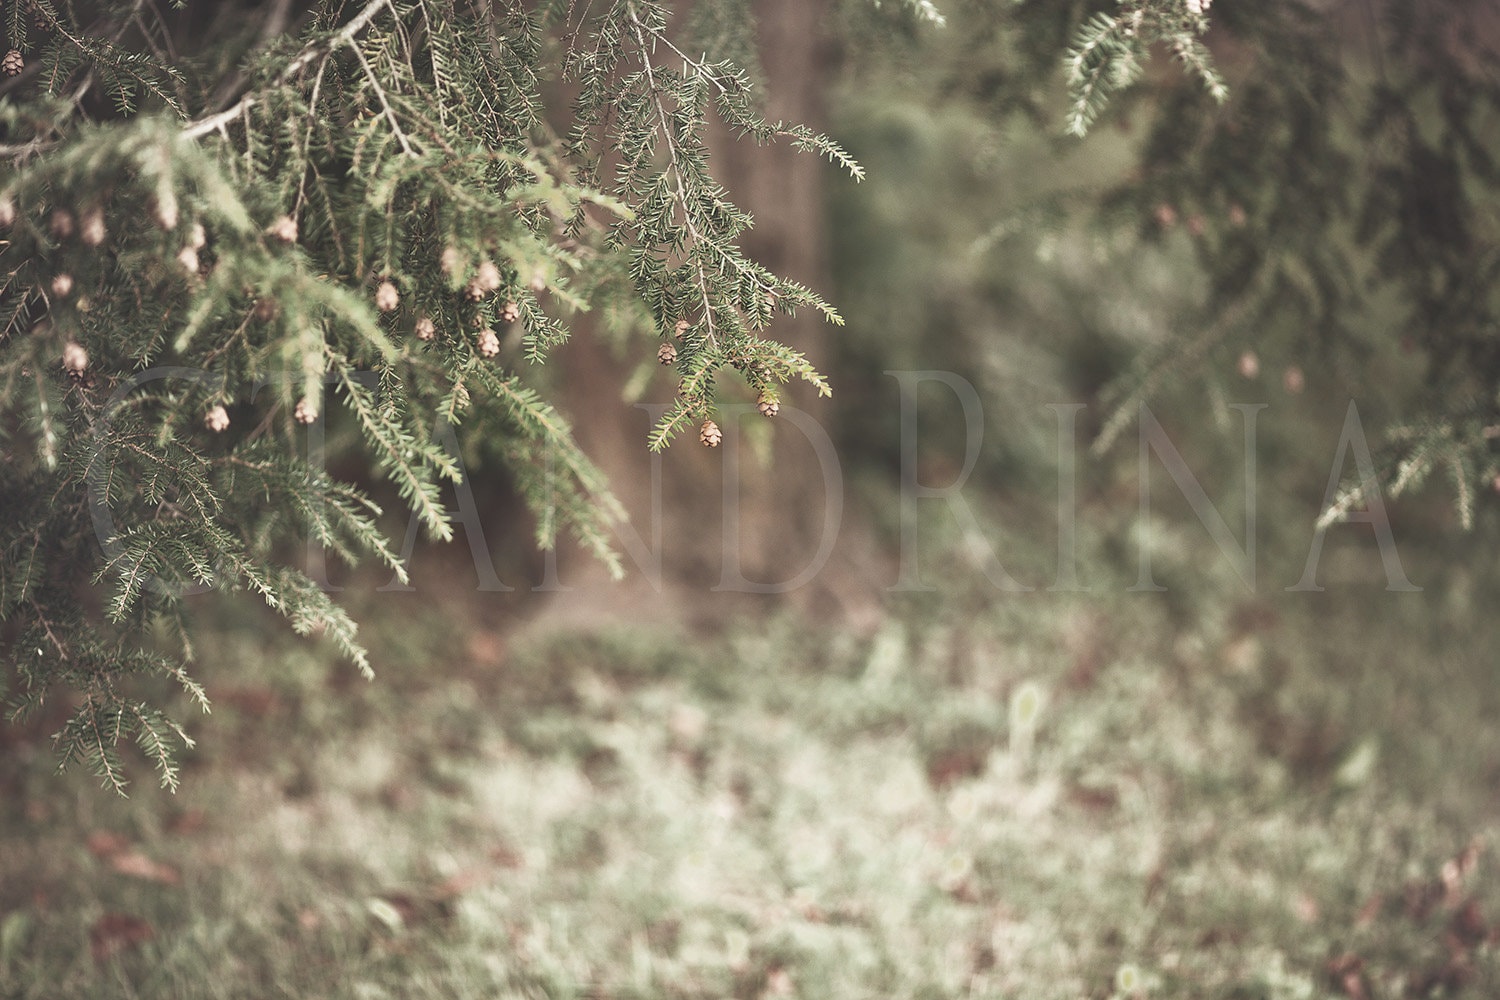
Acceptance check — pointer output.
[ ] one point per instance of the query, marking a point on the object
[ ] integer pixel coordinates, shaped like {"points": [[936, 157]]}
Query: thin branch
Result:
{"points": [[322, 47], [672, 156]]}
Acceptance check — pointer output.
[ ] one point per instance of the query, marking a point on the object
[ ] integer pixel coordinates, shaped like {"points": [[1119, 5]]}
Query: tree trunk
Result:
{"points": [[743, 523]]}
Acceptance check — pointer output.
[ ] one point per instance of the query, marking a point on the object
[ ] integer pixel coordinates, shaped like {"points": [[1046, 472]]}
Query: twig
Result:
{"points": [[344, 36]]}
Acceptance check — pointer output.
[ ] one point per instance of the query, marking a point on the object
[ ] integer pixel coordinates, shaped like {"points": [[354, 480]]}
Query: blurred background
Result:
{"points": [[1110, 784]]}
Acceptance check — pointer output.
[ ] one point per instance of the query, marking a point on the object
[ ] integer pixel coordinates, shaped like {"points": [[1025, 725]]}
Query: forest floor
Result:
{"points": [[1036, 796]]}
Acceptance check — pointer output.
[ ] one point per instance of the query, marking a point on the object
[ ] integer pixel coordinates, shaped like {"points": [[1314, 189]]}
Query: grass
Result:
{"points": [[1283, 798]]}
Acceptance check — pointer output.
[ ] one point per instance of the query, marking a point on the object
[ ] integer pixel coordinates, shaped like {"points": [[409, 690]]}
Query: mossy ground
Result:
{"points": [[1286, 797]]}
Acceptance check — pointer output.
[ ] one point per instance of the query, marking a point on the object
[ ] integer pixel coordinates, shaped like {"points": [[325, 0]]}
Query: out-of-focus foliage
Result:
{"points": [[1333, 219]]}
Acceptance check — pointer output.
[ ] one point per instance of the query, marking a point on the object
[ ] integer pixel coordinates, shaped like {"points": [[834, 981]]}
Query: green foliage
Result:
{"points": [[1328, 213], [1227, 806], [1109, 52], [339, 221]]}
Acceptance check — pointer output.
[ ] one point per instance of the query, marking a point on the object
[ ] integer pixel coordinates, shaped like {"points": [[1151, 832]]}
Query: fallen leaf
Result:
{"points": [[1306, 908], [779, 983], [1367, 913], [188, 821], [104, 844], [116, 932], [257, 702], [137, 865]]}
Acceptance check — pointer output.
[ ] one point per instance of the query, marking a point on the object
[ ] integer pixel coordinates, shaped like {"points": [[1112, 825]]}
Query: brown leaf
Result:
{"points": [[1100, 798], [507, 856], [945, 768], [779, 983], [460, 882], [1346, 973], [116, 932], [137, 865], [1306, 908], [1422, 898], [105, 844], [1370, 911], [1468, 924], [257, 702], [187, 822]]}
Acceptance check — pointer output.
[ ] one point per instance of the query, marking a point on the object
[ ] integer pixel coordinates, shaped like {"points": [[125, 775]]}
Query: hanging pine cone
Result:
{"points": [[164, 210], [304, 412], [426, 329], [7, 212], [767, 405], [489, 344], [12, 64], [91, 227], [386, 297], [710, 434], [75, 359], [681, 329], [197, 237], [485, 281], [62, 286], [666, 354], [61, 224], [188, 258], [265, 309], [216, 419], [510, 312], [283, 229]]}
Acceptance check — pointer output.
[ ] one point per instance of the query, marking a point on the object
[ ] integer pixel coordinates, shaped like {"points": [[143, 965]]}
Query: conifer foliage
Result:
{"points": [[386, 214]]}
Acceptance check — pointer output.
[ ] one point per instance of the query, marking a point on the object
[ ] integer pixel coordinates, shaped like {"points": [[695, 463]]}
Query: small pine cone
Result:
{"points": [[489, 344], [386, 297], [538, 283], [1248, 365], [188, 258], [164, 210], [265, 309], [283, 229], [426, 329], [197, 238], [510, 312], [767, 405], [1292, 380], [710, 434], [75, 359], [216, 419], [1237, 216], [680, 330], [666, 354], [1166, 215], [451, 261], [485, 281], [304, 412], [91, 229], [12, 64], [7, 212], [62, 286], [62, 224]]}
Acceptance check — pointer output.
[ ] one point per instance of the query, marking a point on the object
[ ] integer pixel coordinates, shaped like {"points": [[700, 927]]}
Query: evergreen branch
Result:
{"points": [[344, 36]]}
